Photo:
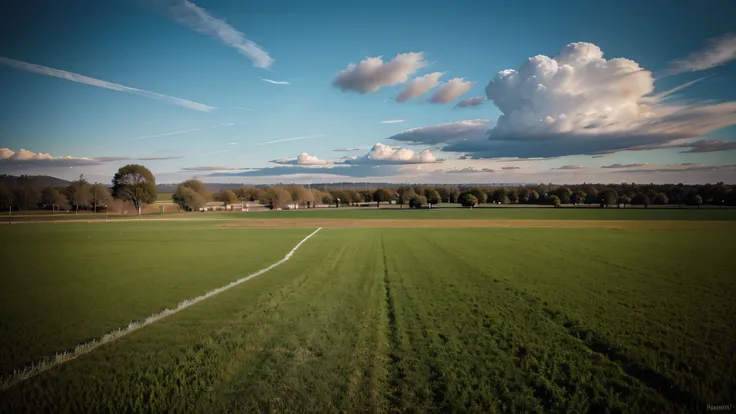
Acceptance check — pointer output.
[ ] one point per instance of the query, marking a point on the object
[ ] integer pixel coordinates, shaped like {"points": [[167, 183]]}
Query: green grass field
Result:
{"points": [[378, 320], [68, 284]]}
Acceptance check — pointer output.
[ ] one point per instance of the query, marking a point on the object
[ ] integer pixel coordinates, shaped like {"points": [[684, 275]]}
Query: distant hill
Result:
{"points": [[42, 180]]}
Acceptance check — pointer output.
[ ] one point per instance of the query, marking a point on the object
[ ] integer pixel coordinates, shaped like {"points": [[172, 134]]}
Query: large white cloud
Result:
{"points": [[372, 73], [450, 91], [418, 86], [384, 154], [472, 129], [581, 103]]}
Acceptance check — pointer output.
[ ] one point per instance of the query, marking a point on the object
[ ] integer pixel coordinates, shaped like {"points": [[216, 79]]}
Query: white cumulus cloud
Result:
{"points": [[384, 154], [418, 86], [450, 91], [581, 103], [302, 159], [372, 73]]}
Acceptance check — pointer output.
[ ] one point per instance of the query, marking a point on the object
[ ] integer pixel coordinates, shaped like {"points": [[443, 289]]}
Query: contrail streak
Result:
{"points": [[169, 133], [288, 139], [75, 77], [214, 152]]}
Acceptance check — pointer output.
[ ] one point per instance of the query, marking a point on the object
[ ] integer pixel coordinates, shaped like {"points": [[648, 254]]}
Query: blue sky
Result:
{"points": [[226, 128]]}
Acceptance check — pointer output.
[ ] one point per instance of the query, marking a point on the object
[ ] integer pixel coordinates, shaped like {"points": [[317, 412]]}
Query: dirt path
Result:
{"points": [[451, 223], [604, 224]]}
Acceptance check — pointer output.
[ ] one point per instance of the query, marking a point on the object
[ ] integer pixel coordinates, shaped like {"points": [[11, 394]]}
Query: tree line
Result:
{"points": [[134, 186], [192, 194]]}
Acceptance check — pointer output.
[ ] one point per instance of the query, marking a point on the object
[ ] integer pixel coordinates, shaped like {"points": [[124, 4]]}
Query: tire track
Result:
{"points": [[60, 358], [396, 374]]}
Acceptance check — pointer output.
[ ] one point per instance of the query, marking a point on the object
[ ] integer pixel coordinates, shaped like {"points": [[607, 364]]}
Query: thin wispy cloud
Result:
{"points": [[232, 143], [276, 82], [207, 168], [229, 124], [214, 152], [111, 159], [197, 19], [289, 139], [393, 121], [158, 158], [75, 77], [570, 167], [717, 52], [168, 134], [662, 95]]}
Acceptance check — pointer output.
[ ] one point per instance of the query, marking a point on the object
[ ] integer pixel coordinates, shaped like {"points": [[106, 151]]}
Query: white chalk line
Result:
{"points": [[48, 363]]}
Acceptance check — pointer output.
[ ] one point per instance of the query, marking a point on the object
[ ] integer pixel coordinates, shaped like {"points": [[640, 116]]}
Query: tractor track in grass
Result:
{"points": [[81, 349], [598, 345], [395, 372]]}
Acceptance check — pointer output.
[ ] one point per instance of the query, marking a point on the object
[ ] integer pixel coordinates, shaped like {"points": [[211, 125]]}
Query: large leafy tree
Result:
{"points": [[276, 197], [300, 195], [99, 196], [433, 196], [184, 195], [136, 184], [7, 197], [249, 194], [468, 200], [554, 200], [500, 195], [382, 194], [479, 194], [228, 197], [608, 197], [51, 197], [406, 195], [188, 199], [78, 193], [419, 201], [565, 194], [444, 193], [26, 193]]}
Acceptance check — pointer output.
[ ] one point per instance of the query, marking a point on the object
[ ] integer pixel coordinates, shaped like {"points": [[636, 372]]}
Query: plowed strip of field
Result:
{"points": [[602, 224]]}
